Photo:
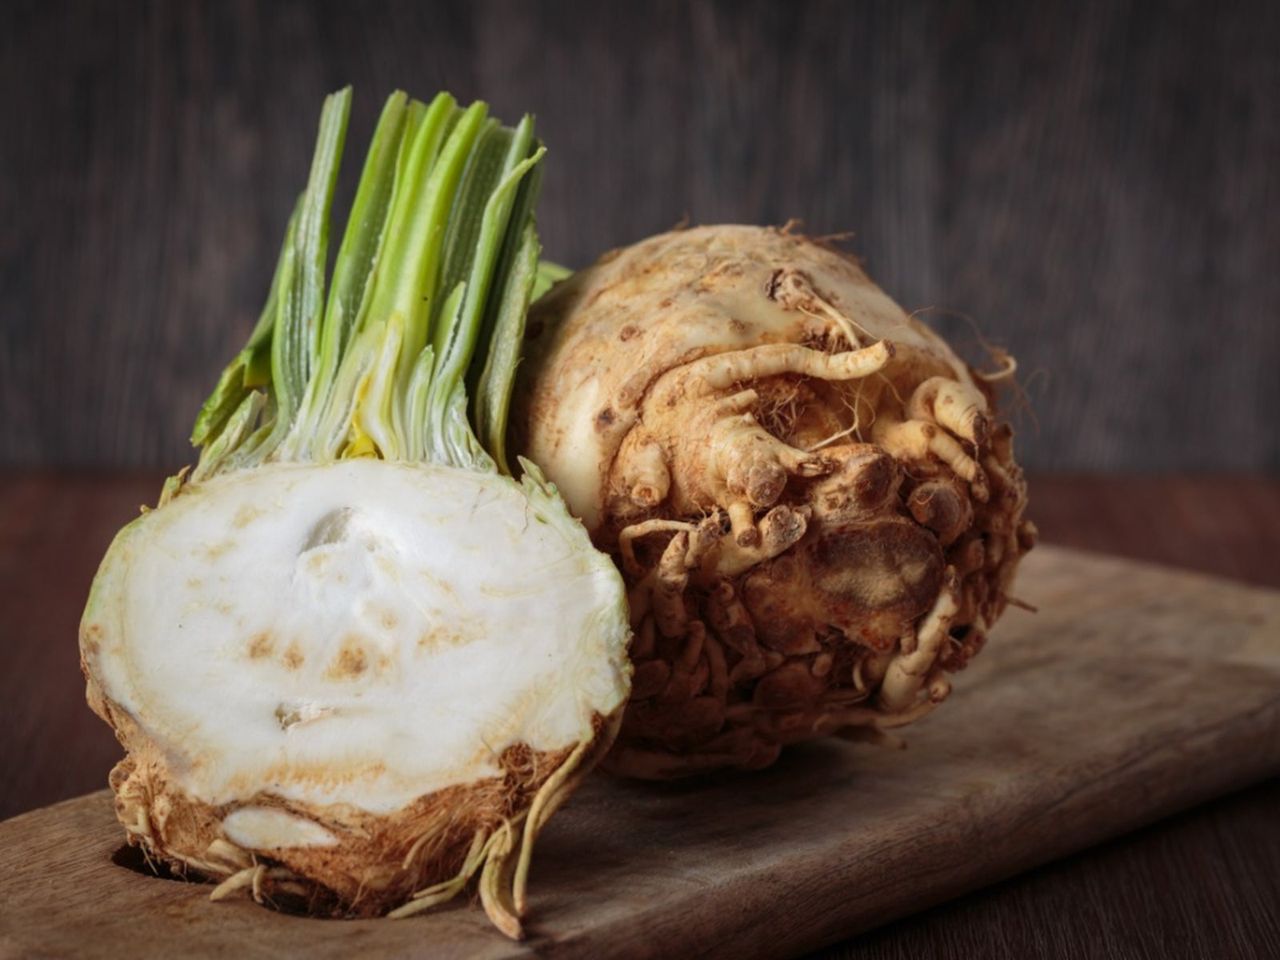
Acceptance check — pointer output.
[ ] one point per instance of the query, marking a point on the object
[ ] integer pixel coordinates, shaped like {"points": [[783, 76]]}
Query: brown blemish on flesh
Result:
{"points": [[627, 332], [320, 773], [260, 645], [388, 619], [292, 658], [245, 516], [351, 660], [605, 418], [439, 637]]}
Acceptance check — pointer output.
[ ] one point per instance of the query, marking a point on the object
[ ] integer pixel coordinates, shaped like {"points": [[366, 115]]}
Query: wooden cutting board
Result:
{"points": [[1136, 691]]}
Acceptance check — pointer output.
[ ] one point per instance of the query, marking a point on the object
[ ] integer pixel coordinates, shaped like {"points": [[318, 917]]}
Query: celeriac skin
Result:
{"points": [[812, 499]]}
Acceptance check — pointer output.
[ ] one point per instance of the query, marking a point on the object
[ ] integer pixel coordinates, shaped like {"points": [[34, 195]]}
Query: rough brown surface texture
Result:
{"points": [[814, 502]]}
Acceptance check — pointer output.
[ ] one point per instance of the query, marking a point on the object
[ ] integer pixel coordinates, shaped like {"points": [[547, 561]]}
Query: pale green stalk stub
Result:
{"points": [[440, 251]]}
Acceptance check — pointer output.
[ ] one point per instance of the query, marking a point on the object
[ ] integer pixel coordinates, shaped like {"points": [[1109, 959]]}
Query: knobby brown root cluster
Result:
{"points": [[814, 503]]}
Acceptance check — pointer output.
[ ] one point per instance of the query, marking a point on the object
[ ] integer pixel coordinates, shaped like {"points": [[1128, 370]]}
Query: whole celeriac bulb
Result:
{"points": [[815, 508]]}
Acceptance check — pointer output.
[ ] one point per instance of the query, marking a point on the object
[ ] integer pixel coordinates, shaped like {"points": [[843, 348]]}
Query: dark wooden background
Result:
{"points": [[1096, 185]]}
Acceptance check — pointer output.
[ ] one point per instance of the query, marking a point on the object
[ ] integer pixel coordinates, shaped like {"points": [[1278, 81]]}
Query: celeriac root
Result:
{"points": [[501, 857], [816, 507], [908, 669], [726, 369]]}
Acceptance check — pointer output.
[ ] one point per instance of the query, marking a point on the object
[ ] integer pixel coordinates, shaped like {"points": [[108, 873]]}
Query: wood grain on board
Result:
{"points": [[1134, 692]]}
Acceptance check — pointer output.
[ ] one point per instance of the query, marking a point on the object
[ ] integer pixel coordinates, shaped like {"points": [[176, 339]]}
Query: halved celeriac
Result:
{"points": [[351, 660]]}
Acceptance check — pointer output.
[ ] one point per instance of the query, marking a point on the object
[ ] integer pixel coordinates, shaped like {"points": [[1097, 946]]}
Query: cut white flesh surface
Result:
{"points": [[360, 633]]}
